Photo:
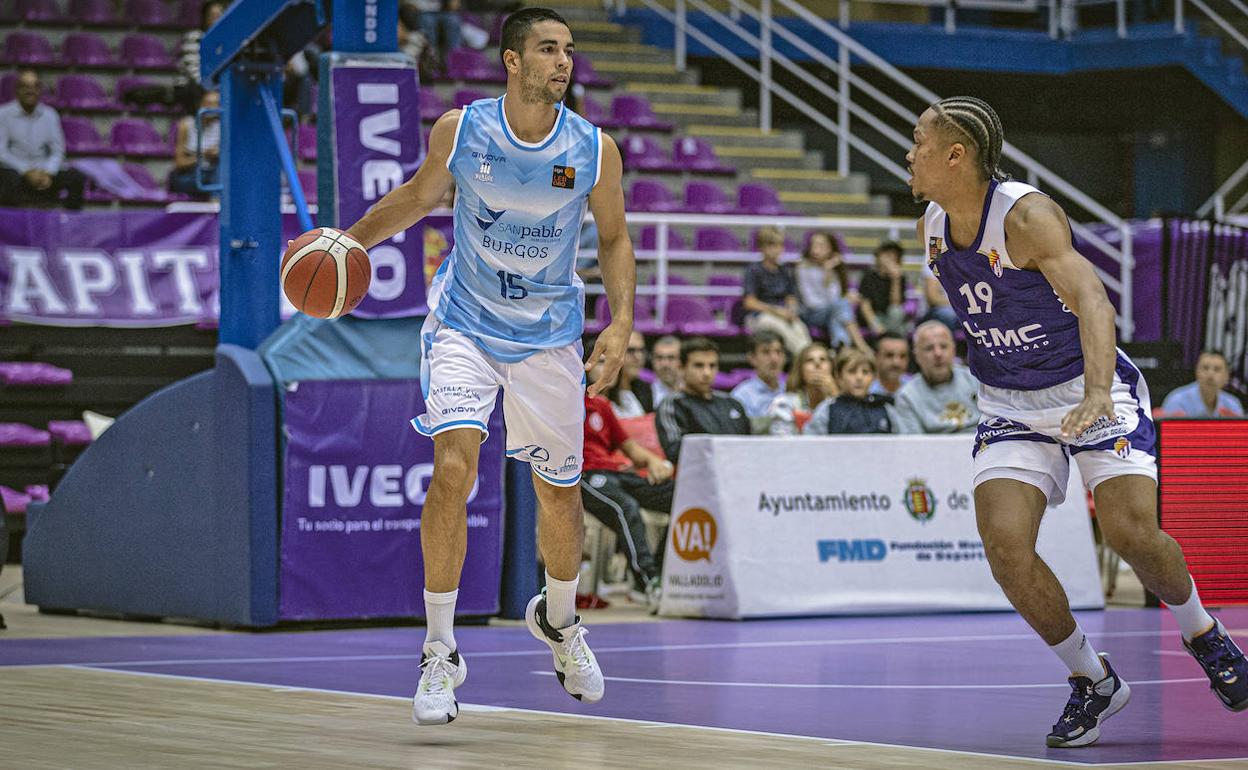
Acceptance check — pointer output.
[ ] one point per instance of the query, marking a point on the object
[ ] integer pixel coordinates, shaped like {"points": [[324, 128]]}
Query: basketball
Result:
{"points": [[325, 273]]}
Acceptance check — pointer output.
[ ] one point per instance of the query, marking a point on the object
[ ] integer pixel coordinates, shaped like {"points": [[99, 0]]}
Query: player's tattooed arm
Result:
{"points": [[412, 201], [618, 263], [1038, 235]]}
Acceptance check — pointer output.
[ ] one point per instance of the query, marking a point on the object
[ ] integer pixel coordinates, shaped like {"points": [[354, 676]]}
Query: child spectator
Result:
{"points": [[771, 294], [823, 287], [855, 410], [882, 292]]}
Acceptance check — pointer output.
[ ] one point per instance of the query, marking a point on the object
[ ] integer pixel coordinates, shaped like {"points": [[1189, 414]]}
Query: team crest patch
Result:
{"points": [[933, 254], [919, 500], [563, 176], [994, 260], [1122, 448]]}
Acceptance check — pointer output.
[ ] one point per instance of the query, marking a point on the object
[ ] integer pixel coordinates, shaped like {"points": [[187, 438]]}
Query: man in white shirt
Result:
{"points": [[32, 151]]}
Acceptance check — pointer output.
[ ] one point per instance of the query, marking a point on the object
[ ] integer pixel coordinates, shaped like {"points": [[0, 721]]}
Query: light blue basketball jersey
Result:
{"points": [[510, 282]]}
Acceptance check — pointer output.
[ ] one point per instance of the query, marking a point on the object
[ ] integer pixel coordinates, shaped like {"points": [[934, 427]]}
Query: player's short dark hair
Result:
{"points": [[890, 336], [976, 120], [889, 246], [696, 345], [763, 337], [516, 27]]}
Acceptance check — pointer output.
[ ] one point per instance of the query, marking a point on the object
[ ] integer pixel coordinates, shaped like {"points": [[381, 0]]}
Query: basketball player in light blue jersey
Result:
{"points": [[1041, 341], [506, 311]]}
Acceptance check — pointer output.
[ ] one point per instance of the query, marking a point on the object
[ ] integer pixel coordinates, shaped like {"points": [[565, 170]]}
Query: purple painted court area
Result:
{"points": [[979, 683]]}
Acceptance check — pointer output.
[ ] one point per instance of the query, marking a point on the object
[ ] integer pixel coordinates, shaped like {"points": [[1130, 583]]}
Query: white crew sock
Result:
{"points": [[440, 617], [1080, 657], [1193, 620], [561, 601]]}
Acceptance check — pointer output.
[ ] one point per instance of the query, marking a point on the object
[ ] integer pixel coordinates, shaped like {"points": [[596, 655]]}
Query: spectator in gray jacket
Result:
{"points": [[32, 151], [944, 397]]}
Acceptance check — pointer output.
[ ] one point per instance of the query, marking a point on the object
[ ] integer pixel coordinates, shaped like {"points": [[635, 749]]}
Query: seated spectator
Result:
{"points": [[771, 294], [182, 177], [187, 88], [943, 398], [892, 359], [856, 409], [631, 396], [1205, 397], [665, 360], [615, 494], [439, 22], [32, 151], [823, 288], [882, 292], [698, 409], [810, 384], [766, 355]]}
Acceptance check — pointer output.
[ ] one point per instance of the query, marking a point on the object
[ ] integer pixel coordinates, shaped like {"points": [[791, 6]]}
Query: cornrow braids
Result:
{"points": [[976, 120]]}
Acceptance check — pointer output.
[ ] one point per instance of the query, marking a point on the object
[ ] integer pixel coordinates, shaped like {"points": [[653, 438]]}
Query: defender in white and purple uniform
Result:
{"points": [[1023, 346]]}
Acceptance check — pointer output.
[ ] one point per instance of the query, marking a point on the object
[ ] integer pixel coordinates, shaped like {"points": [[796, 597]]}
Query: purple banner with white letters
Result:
{"points": [[378, 145], [355, 477], [153, 268]]}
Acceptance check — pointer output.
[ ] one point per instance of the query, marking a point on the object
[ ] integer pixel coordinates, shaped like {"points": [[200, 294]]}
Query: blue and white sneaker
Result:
{"points": [[1224, 664], [1090, 704]]}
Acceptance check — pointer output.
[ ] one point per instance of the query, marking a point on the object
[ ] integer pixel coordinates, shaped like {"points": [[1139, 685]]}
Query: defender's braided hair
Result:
{"points": [[977, 121]]}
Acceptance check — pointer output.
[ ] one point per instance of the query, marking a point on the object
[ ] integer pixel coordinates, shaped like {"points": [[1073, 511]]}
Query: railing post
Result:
{"points": [[1219, 208], [764, 67], [681, 35], [842, 109], [1127, 273], [660, 280], [951, 23], [1122, 19], [1178, 16], [1054, 20]]}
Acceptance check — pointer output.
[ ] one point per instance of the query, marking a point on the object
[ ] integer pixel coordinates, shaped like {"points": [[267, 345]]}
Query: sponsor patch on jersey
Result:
{"points": [[1122, 448], [564, 177], [994, 259], [933, 254]]}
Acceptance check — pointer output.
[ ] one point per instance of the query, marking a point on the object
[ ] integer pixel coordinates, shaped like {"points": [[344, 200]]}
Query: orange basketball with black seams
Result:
{"points": [[325, 273]]}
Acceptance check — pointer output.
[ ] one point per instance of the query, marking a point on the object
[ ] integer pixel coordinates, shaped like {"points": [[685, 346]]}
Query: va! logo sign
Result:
{"points": [[693, 534]]}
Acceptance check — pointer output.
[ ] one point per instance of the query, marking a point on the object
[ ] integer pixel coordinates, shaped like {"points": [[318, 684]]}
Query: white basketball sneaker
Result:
{"points": [[441, 671], [575, 664]]}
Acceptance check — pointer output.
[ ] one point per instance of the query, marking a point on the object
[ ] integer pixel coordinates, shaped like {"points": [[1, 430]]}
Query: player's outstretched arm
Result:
{"points": [[619, 266], [1038, 234], [412, 201]]}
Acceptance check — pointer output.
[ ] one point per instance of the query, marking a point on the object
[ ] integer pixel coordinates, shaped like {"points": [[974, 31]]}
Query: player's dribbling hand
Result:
{"points": [[609, 348], [1092, 407]]}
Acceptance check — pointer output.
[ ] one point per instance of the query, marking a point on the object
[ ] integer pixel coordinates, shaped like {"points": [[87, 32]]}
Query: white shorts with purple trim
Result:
{"points": [[543, 399], [1019, 435]]}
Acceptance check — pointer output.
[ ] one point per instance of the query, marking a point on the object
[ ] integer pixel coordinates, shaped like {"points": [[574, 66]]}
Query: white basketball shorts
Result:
{"points": [[543, 399], [1019, 435]]}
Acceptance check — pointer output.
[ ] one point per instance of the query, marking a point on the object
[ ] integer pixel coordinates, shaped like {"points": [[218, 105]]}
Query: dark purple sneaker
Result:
{"points": [[1224, 664], [1090, 704]]}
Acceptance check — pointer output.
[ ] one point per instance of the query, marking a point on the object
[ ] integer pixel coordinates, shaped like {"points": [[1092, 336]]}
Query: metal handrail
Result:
{"points": [[1035, 171]]}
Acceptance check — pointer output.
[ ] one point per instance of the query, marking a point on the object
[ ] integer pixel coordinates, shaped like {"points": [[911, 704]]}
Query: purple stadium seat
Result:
{"points": [[28, 48], [431, 105], [38, 11], [83, 92], [706, 198], [593, 111], [634, 111], [731, 379], [697, 155], [94, 13], [643, 153], [189, 13], [307, 180], [85, 49], [716, 239], [128, 82], [467, 96], [37, 492], [33, 374], [16, 434], [723, 303], [473, 66], [673, 279], [70, 432], [14, 502], [648, 239], [81, 138], [150, 13], [143, 177], [137, 137], [583, 73], [146, 52], [642, 308], [760, 199], [694, 316], [649, 195]]}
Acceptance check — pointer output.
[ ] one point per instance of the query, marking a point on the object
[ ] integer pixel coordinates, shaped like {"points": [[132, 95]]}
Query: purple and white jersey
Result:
{"points": [[1020, 334]]}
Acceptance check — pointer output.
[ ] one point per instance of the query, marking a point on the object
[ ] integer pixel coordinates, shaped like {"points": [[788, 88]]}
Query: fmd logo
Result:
{"points": [[852, 550]]}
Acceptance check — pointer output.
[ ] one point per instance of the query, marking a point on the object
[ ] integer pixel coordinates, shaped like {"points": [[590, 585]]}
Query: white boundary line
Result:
{"points": [[803, 686], [652, 724]]}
